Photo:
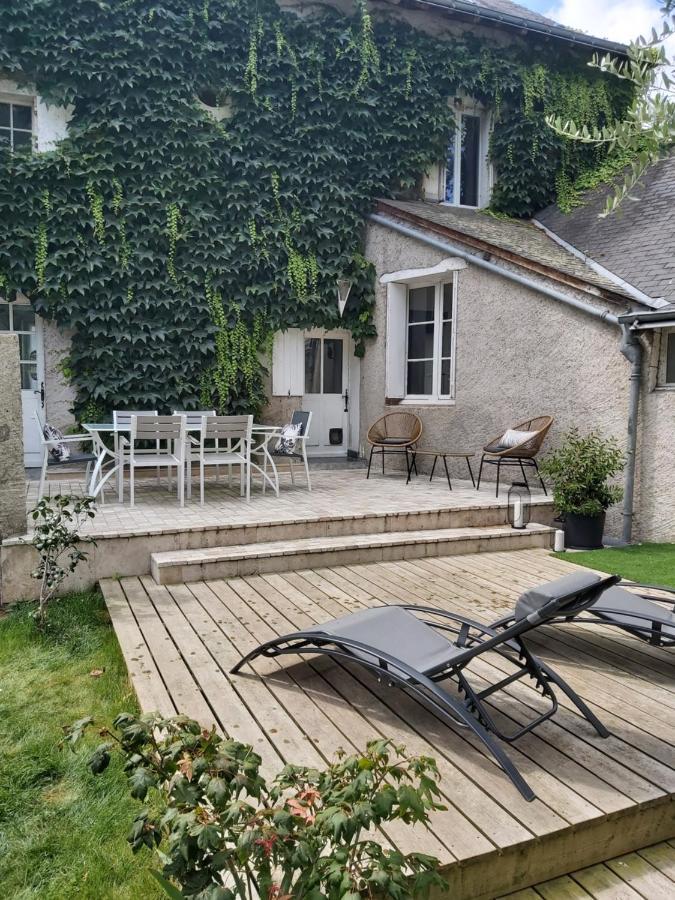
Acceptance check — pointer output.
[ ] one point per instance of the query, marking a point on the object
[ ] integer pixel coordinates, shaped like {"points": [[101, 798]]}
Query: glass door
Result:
{"points": [[326, 392], [21, 319]]}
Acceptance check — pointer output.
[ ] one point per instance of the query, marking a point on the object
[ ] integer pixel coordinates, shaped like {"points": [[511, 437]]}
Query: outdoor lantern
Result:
{"points": [[519, 505]]}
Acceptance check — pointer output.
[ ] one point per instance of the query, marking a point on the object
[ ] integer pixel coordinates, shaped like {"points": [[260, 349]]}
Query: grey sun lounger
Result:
{"points": [[417, 647], [641, 613]]}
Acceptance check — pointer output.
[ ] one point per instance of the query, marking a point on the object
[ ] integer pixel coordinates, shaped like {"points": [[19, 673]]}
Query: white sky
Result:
{"points": [[618, 20]]}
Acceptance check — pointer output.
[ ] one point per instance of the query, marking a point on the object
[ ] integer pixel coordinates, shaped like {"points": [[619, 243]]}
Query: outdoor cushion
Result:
{"points": [[393, 441], [511, 438], [538, 597], [287, 440], [397, 632], [58, 452], [646, 613]]}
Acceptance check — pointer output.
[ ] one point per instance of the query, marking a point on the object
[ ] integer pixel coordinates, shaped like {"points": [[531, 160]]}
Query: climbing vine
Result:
{"points": [[173, 244]]}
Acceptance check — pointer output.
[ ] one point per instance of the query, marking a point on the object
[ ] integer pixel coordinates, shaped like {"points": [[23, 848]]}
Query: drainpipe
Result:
{"points": [[631, 348], [630, 345]]}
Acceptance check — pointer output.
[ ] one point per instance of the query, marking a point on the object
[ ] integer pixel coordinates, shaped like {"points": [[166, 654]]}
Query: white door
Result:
{"points": [[22, 320], [327, 391]]}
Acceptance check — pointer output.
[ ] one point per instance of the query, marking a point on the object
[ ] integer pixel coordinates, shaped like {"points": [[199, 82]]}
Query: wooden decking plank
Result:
{"points": [[602, 884], [184, 617], [527, 894], [566, 801], [662, 857], [354, 732], [291, 742], [564, 888], [145, 678], [185, 692], [642, 876]]}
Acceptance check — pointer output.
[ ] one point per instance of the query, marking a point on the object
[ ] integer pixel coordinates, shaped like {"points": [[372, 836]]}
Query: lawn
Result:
{"points": [[649, 563], [63, 830]]}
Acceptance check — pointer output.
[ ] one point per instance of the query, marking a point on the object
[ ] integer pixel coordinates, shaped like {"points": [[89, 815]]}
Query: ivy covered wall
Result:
{"points": [[175, 245]]}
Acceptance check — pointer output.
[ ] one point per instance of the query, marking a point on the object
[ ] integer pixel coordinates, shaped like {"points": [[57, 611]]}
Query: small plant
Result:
{"points": [[58, 542], [580, 471], [225, 833]]}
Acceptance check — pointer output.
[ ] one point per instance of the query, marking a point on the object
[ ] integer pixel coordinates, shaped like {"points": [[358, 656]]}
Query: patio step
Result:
{"points": [[175, 567]]}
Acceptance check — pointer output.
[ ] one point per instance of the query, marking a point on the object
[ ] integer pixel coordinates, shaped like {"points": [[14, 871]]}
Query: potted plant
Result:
{"points": [[580, 471]]}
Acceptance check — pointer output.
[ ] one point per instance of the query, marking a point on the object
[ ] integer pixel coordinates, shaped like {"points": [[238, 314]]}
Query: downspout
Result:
{"points": [[630, 345], [631, 348]]}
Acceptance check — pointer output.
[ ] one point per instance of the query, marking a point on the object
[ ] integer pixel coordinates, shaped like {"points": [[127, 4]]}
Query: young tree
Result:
{"points": [[648, 130]]}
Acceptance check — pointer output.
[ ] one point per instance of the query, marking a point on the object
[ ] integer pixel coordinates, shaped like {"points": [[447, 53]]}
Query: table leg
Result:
{"points": [[447, 474]]}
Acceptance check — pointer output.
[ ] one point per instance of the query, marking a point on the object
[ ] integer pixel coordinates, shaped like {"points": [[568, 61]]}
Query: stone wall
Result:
{"points": [[12, 481], [519, 354]]}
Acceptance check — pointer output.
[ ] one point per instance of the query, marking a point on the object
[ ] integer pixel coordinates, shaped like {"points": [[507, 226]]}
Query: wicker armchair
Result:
{"points": [[394, 432], [523, 454]]}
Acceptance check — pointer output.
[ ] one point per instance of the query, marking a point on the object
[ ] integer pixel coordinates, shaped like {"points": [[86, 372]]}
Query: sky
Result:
{"points": [[618, 20]]}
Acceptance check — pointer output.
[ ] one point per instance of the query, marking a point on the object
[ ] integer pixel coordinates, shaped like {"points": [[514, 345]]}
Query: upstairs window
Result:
{"points": [[16, 125], [466, 176], [668, 362]]}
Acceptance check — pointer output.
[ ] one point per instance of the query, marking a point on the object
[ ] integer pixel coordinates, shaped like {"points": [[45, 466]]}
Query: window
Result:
{"points": [[669, 358], [429, 345], [21, 320], [16, 125], [466, 171]]}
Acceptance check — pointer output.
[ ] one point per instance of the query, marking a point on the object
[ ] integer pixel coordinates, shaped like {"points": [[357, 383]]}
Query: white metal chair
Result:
{"points": [[236, 432], [48, 445], [122, 418], [168, 435], [193, 419], [304, 419]]}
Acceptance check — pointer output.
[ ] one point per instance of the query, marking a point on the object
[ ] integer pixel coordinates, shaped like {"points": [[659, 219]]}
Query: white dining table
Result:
{"points": [[109, 462]]}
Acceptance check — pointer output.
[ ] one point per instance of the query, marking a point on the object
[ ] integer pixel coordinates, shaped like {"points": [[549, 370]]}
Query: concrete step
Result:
{"points": [[207, 563]]}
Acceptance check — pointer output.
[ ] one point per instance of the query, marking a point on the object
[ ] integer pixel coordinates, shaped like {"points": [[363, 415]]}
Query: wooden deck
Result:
{"points": [[596, 799]]}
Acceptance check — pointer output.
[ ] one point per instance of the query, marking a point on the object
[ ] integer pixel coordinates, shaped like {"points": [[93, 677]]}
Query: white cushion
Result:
{"points": [[512, 438], [59, 452], [288, 438]]}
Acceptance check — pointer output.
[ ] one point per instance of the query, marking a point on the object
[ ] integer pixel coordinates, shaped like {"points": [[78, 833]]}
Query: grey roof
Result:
{"points": [[513, 15], [515, 240], [637, 242]]}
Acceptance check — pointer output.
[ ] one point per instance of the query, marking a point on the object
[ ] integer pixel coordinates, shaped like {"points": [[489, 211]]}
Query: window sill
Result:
{"points": [[427, 401], [665, 387]]}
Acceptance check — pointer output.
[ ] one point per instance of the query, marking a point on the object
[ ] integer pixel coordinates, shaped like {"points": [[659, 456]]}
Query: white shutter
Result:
{"points": [[288, 363], [397, 303]]}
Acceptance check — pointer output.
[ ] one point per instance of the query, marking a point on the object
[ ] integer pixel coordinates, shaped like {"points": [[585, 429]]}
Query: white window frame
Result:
{"points": [[484, 187], [21, 100], [666, 335], [436, 397]]}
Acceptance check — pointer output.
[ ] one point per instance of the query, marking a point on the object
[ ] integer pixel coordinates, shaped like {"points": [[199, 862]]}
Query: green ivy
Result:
{"points": [[150, 199]]}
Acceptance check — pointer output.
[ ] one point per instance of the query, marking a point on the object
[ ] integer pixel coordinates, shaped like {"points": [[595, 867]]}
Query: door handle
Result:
{"points": [[345, 397]]}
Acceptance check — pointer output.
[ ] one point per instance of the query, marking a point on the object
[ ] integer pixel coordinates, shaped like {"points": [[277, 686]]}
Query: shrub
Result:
{"points": [[225, 833], [580, 471]]}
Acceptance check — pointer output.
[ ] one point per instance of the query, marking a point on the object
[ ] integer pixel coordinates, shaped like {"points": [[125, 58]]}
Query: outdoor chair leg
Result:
{"points": [[43, 473], [131, 483], [522, 469], [447, 474], [370, 459], [480, 472], [383, 460], [575, 698], [408, 466], [473, 480], [499, 462], [543, 486], [433, 468], [304, 459], [201, 480]]}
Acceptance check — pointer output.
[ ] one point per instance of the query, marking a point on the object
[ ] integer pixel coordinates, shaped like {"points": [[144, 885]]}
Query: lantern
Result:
{"points": [[519, 505]]}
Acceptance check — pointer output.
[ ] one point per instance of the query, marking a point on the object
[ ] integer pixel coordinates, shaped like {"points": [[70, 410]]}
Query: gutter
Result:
{"points": [[630, 345], [626, 287], [521, 23]]}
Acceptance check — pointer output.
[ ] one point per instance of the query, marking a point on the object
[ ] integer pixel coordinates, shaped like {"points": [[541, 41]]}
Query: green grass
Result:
{"points": [[649, 563], [62, 829]]}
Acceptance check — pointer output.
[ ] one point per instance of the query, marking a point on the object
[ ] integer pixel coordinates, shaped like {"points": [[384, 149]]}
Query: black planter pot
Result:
{"points": [[584, 532]]}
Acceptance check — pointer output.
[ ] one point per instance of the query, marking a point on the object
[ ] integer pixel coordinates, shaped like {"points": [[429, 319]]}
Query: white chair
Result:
{"points": [[74, 458], [304, 419], [236, 432], [168, 435], [193, 419], [122, 418]]}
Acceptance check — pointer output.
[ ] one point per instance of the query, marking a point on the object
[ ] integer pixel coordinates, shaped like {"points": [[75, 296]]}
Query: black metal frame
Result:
{"points": [[444, 456], [645, 627], [499, 461], [474, 639], [391, 449]]}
